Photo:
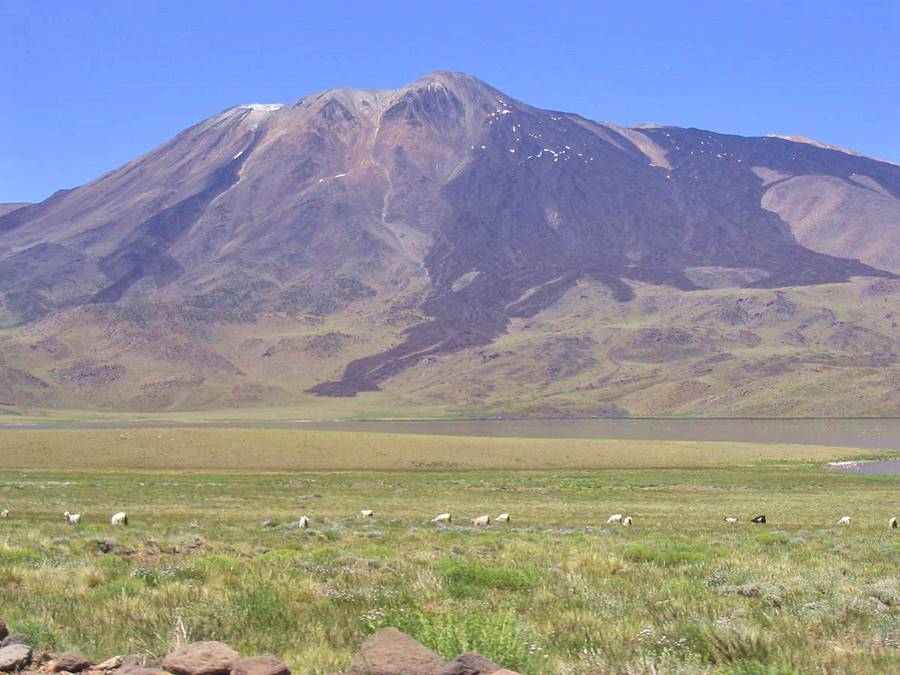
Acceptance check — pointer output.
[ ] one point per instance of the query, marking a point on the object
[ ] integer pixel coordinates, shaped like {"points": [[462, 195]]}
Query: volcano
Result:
{"points": [[355, 236]]}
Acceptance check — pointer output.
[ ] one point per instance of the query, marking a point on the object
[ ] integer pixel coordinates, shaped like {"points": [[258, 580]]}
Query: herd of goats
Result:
{"points": [[121, 518]]}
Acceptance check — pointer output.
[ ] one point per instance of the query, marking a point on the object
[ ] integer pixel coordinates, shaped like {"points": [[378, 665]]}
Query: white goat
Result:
{"points": [[442, 518], [481, 521], [731, 520], [846, 520], [72, 518], [626, 521], [120, 518], [615, 518], [5, 513], [502, 518], [303, 523], [892, 523], [367, 513]]}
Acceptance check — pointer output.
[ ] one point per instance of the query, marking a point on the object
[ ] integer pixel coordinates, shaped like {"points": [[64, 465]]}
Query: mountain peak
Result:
{"points": [[463, 85]]}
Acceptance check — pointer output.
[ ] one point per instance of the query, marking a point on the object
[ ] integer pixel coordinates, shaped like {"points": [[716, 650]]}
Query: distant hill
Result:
{"points": [[456, 250]]}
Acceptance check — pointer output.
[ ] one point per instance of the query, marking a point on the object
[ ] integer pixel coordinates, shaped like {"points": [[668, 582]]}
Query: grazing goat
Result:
{"points": [[626, 521], [367, 513], [892, 523], [846, 520], [615, 518], [303, 523], [502, 518], [72, 518], [4, 513], [759, 520], [120, 518], [442, 518], [481, 521], [731, 520]]}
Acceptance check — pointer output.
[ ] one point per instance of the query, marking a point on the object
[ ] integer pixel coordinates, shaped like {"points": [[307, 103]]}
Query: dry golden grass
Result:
{"points": [[291, 449]]}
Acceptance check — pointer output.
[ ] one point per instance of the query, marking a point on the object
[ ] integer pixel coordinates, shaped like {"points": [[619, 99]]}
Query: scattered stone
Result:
{"points": [[14, 657], [201, 658], [470, 663], [15, 639], [137, 665], [70, 662], [38, 659], [110, 664], [110, 547], [387, 652], [133, 662], [390, 652], [267, 523], [141, 670], [260, 665]]}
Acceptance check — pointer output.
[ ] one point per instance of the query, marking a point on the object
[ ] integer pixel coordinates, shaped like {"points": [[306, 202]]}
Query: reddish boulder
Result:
{"points": [[260, 665], [69, 662], [390, 652], [202, 658]]}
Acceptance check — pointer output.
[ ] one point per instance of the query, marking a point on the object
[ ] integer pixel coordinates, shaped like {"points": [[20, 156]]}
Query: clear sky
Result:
{"points": [[89, 85]]}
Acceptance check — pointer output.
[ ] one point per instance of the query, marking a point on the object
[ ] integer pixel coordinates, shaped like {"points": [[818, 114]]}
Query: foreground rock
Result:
{"points": [[470, 663], [260, 665], [15, 639], [134, 665], [69, 662], [390, 652], [141, 670], [14, 657], [387, 652], [202, 658], [110, 664]]}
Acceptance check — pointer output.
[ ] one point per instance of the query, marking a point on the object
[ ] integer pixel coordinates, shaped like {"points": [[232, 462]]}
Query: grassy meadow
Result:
{"points": [[209, 554]]}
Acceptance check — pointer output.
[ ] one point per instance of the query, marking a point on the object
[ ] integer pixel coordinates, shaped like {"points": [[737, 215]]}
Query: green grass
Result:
{"points": [[555, 591]]}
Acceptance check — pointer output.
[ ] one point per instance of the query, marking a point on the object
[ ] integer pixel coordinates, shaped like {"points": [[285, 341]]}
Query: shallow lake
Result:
{"points": [[874, 467]]}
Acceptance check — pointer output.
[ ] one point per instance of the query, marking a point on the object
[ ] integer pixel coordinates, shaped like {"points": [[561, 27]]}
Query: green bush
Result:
{"points": [[667, 555], [40, 634], [464, 578], [769, 538], [500, 637]]}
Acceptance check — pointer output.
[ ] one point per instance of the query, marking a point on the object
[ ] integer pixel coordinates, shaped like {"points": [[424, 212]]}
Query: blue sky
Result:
{"points": [[88, 85]]}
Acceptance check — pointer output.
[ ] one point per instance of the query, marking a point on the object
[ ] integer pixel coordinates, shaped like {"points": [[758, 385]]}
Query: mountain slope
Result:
{"points": [[441, 215]]}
